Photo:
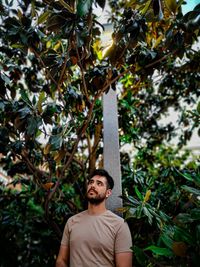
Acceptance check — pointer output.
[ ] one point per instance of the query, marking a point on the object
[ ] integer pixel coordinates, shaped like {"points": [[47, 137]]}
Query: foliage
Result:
{"points": [[162, 207], [53, 72], [24, 231]]}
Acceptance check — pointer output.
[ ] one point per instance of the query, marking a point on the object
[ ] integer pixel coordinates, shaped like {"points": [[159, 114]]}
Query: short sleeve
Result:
{"points": [[123, 241], [65, 236]]}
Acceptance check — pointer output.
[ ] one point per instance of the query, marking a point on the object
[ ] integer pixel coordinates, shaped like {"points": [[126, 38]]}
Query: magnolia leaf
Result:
{"points": [[184, 218], [48, 186], [160, 251], [195, 214], [158, 41], [122, 210], [83, 7], [147, 196], [139, 195], [166, 238], [23, 112], [181, 235], [59, 155], [172, 5], [40, 101], [140, 256], [67, 6], [55, 23], [25, 97], [33, 125], [191, 190], [179, 249], [5, 78], [185, 175], [43, 17], [56, 141], [146, 7], [197, 7], [148, 214], [20, 46], [47, 149], [198, 108]]}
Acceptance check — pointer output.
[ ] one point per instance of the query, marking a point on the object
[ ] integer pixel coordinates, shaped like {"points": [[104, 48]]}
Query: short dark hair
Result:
{"points": [[102, 172]]}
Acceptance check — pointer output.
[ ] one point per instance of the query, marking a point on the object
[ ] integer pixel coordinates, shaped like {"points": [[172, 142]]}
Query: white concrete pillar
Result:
{"points": [[111, 153]]}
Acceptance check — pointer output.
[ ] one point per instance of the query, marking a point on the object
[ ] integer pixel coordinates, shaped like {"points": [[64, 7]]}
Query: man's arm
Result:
{"points": [[123, 259], [63, 257]]}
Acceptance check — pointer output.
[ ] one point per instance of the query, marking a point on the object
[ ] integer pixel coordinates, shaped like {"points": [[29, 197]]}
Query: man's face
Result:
{"points": [[97, 190]]}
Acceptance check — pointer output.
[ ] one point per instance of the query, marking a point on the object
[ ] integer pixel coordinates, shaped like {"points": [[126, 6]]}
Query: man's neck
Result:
{"points": [[96, 209]]}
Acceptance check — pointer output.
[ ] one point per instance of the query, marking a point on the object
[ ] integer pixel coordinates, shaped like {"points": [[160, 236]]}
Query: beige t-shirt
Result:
{"points": [[94, 239]]}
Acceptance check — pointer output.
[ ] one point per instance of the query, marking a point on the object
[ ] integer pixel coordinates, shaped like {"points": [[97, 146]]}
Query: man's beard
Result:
{"points": [[97, 199]]}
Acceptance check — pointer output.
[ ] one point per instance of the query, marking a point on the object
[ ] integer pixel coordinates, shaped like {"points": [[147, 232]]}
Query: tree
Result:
{"points": [[53, 74]]}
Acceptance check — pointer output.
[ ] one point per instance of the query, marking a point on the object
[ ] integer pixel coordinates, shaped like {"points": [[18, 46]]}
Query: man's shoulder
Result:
{"points": [[77, 216], [115, 216]]}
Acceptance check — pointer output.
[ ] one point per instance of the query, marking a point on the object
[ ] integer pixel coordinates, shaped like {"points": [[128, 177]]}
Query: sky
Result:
{"points": [[190, 5]]}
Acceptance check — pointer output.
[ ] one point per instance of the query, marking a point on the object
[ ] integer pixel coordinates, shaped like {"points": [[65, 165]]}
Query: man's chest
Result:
{"points": [[93, 234]]}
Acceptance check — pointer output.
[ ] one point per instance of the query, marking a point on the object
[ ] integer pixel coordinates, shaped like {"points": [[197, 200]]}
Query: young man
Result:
{"points": [[96, 237]]}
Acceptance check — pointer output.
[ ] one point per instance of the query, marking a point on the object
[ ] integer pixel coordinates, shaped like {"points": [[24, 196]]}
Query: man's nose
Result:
{"points": [[93, 186]]}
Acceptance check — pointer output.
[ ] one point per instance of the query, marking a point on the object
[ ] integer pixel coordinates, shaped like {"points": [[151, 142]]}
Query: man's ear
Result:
{"points": [[109, 192]]}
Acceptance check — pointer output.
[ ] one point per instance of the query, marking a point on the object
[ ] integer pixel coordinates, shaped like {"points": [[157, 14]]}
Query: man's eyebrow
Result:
{"points": [[100, 181]]}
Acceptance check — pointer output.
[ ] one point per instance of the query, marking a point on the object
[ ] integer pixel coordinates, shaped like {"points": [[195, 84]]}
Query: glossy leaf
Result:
{"points": [[140, 255], [160, 251], [43, 17], [139, 195], [83, 7], [101, 3], [56, 141], [191, 190], [180, 249], [33, 125], [171, 5]]}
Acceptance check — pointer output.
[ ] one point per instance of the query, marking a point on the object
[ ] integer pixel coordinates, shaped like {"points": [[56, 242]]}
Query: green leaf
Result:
{"points": [[65, 5], [131, 213], [185, 175], [160, 251], [56, 141], [138, 193], [182, 234], [5, 78], [195, 213], [198, 108], [23, 112], [25, 97], [83, 7], [41, 99], [33, 125], [191, 190], [148, 214], [198, 233], [43, 17], [197, 7], [146, 7], [171, 5], [184, 218], [133, 201], [166, 238], [140, 255]]}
